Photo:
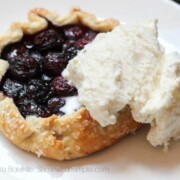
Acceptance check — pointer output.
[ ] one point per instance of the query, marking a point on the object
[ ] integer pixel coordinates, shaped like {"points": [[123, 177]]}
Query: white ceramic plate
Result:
{"points": [[131, 158]]}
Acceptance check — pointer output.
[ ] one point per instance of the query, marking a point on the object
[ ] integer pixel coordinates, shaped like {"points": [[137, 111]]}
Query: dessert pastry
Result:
{"points": [[39, 110]]}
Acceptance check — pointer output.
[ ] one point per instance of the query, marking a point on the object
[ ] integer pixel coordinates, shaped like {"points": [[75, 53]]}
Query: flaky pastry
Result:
{"points": [[58, 137]]}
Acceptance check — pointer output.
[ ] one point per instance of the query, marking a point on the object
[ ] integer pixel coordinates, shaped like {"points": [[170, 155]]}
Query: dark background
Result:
{"points": [[178, 1]]}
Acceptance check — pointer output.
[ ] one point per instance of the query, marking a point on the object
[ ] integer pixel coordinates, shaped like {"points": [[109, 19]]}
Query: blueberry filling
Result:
{"points": [[34, 78]]}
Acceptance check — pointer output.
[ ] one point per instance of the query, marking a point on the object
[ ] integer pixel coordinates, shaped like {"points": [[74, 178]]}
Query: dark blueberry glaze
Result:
{"points": [[34, 78]]}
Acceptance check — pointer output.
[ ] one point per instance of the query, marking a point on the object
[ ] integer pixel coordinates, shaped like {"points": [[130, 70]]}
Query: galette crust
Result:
{"points": [[3, 68], [69, 136], [38, 21]]}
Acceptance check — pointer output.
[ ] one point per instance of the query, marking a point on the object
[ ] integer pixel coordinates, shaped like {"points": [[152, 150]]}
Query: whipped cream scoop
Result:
{"points": [[128, 66]]}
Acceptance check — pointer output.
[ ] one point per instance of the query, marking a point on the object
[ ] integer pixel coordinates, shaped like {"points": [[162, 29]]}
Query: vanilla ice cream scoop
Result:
{"points": [[128, 66]]}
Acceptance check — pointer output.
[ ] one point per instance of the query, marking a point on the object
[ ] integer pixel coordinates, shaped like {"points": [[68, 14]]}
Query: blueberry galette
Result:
{"points": [[39, 110]]}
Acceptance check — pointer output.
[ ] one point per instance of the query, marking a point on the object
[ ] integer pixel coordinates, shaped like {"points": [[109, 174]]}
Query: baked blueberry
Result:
{"points": [[12, 88], [34, 78], [61, 87], [71, 53], [54, 63], [55, 103], [23, 63], [47, 40], [73, 31]]}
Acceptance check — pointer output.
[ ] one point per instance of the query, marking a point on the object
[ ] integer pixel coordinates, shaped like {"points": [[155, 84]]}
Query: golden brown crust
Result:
{"points": [[3, 68], [38, 21], [66, 137]]}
